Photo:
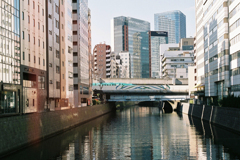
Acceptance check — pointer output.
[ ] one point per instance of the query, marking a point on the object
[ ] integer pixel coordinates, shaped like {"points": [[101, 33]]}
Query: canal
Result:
{"points": [[137, 133]]}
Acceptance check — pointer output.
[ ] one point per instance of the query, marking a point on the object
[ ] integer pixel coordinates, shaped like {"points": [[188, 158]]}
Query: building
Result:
{"points": [[162, 49], [131, 35], [53, 54], [102, 53], [33, 59], [175, 59], [67, 57], [212, 48], [10, 58], [175, 63], [80, 52], [90, 56], [125, 67], [234, 37], [173, 22], [155, 39]]}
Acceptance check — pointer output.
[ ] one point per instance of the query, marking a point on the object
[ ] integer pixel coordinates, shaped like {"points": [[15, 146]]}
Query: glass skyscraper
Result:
{"points": [[10, 61], [173, 22], [156, 38], [131, 34]]}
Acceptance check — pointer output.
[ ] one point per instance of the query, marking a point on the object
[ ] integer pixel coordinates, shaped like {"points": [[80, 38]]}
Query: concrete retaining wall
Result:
{"points": [[20, 131], [225, 117]]}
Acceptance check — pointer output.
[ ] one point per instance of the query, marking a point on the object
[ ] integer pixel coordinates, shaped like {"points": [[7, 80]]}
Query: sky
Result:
{"points": [[102, 11]]}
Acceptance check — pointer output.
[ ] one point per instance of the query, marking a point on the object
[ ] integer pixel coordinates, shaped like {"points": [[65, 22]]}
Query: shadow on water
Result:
{"points": [[219, 136], [58, 146]]}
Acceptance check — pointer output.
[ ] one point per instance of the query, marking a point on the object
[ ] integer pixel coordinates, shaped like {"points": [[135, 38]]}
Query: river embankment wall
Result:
{"points": [[228, 118], [20, 131]]}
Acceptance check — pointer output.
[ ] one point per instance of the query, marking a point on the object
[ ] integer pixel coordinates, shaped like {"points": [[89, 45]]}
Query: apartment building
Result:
{"points": [[67, 97], [33, 57], [80, 52], [102, 65]]}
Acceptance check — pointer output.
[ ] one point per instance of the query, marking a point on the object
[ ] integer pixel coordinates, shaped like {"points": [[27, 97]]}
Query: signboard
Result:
{"points": [[159, 33], [9, 87]]}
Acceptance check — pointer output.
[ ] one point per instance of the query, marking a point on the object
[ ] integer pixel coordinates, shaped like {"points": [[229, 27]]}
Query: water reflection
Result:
{"points": [[138, 133]]}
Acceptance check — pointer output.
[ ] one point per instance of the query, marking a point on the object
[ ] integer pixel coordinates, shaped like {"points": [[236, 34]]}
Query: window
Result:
{"points": [[57, 38], [38, 25], [43, 44], [63, 88], [41, 82], [38, 42], [69, 49], [33, 5], [38, 9], [23, 55], [70, 75], [33, 40], [56, 9], [28, 19], [43, 62], [74, 32], [28, 37], [62, 63], [42, 12], [63, 76], [50, 64], [29, 59], [34, 59], [39, 61], [57, 24], [57, 85], [57, 54], [62, 51], [57, 69], [43, 28], [22, 34], [22, 15]]}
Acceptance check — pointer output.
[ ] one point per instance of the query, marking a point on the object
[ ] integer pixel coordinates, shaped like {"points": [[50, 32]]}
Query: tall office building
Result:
{"points": [[212, 41], [33, 59], [90, 55], [131, 34], [80, 52], [10, 59], [102, 60], [155, 39], [173, 22], [234, 37], [67, 57]]}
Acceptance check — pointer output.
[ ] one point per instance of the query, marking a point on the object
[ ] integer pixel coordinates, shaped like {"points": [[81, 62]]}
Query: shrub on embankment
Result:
{"points": [[230, 101]]}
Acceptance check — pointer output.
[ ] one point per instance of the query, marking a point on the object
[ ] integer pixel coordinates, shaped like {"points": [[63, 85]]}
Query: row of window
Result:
{"points": [[235, 40], [235, 55], [29, 39], [235, 71], [235, 87], [235, 25], [34, 59], [234, 11], [216, 71], [219, 55], [212, 45]]}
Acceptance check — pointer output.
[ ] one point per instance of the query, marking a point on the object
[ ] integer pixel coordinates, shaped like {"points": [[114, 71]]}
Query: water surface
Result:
{"points": [[138, 133]]}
